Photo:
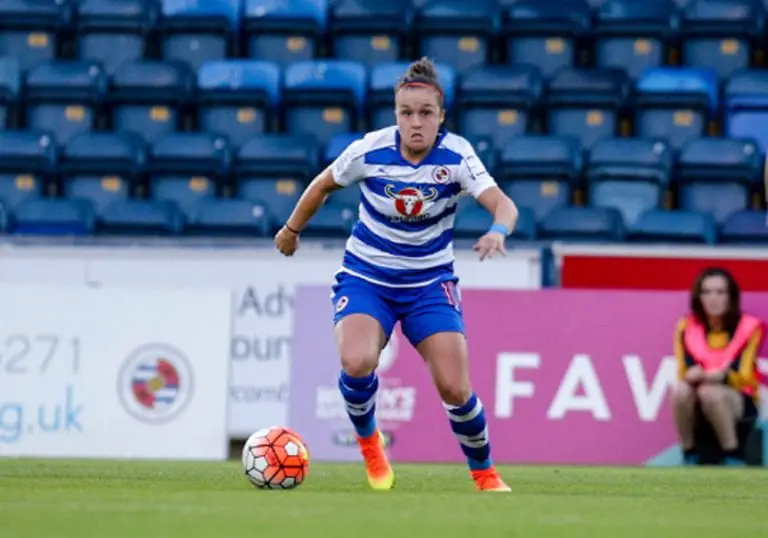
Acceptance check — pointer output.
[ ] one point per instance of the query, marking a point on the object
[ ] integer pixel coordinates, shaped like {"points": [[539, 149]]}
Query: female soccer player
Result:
{"points": [[398, 264]]}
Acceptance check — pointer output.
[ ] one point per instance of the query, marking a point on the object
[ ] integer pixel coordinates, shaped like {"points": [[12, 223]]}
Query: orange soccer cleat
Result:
{"points": [[377, 467], [489, 480]]}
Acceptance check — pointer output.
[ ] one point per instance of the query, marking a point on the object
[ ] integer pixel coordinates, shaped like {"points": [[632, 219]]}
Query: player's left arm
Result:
{"points": [[480, 184]]}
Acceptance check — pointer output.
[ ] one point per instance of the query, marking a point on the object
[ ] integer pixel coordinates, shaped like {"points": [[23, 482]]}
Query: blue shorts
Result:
{"points": [[421, 311]]}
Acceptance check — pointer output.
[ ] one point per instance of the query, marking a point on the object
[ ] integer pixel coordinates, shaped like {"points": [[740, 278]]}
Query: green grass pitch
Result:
{"points": [[104, 499]]}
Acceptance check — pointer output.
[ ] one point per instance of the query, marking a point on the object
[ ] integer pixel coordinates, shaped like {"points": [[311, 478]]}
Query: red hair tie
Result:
{"points": [[421, 85]]}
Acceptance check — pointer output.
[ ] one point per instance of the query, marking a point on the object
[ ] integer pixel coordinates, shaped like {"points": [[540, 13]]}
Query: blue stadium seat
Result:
{"points": [[496, 102], [278, 196], [540, 196], [332, 220], [100, 167], [114, 32], [272, 170], [27, 160], [324, 98], [473, 220], [186, 167], [458, 33], [658, 226], [10, 89], [284, 32], [50, 216], [64, 97], [746, 106], [229, 218], [582, 224], [147, 98], [675, 103], [585, 104], [370, 31], [749, 227], [3, 219], [141, 217], [629, 174], [381, 98], [29, 29], [720, 34], [633, 35], [721, 159], [720, 199], [541, 157], [200, 31], [238, 98], [545, 33]]}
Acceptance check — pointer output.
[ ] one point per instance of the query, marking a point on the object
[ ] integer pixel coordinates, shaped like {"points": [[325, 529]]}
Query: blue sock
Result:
{"points": [[360, 398], [471, 429]]}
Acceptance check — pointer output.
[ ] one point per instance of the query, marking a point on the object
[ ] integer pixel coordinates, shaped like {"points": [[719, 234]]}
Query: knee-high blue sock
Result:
{"points": [[360, 398], [471, 429]]}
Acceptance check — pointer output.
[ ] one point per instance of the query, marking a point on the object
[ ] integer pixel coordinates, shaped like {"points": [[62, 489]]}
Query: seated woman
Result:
{"points": [[716, 346]]}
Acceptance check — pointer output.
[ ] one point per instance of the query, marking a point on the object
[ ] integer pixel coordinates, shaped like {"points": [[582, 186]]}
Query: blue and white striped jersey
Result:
{"points": [[404, 235]]}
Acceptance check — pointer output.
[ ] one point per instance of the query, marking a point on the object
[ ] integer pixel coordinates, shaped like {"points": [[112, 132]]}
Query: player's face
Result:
{"points": [[419, 116], [714, 296]]}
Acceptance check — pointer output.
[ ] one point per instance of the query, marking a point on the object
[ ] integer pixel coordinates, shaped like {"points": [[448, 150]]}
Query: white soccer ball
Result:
{"points": [[275, 458]]}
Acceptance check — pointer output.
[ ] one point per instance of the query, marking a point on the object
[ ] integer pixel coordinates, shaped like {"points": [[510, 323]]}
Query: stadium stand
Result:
{"points": [[606, 120]]}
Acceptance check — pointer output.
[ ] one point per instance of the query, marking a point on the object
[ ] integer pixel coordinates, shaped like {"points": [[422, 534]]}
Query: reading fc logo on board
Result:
{"points": [[155, 383]]}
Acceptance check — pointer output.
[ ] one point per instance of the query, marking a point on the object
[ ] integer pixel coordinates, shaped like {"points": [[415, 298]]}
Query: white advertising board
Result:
{"points": [[261, 307], [113, 373]]}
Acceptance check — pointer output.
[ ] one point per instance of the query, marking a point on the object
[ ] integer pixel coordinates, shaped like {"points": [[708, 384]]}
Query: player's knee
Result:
{"points": [[454, 393], [683, 395], [710, 395], [358, 363]]}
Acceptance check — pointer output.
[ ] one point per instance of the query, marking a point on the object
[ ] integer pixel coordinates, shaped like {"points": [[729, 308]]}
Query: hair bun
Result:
{"points": [[423, 68]]}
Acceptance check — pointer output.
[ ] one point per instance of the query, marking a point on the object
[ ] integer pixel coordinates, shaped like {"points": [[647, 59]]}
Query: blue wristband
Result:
{"points": [[499, 228]]}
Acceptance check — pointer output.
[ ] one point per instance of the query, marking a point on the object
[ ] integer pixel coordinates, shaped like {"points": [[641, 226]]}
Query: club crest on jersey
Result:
{"points": [[409, 201], [441, 174]]}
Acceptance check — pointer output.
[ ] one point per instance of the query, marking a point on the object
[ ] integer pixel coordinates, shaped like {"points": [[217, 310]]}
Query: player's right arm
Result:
{"points": [[345, 170]]}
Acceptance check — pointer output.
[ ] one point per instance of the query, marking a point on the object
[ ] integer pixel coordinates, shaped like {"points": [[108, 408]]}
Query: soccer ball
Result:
{"points": [[275, 458]]}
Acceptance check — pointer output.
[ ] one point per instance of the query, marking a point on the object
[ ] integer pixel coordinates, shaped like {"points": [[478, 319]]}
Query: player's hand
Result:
{"points": [[286, 241], [489, 244], [694, 375]]}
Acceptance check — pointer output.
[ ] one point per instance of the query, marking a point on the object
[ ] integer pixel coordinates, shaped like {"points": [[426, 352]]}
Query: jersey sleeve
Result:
{"points": [[348, 167], [473, 176]]}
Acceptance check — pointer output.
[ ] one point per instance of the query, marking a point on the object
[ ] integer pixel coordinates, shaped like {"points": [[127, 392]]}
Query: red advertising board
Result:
{"points": [[660, 268]]}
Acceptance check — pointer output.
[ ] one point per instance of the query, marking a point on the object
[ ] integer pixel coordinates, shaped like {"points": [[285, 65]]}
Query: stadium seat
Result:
{"points": [[720, 34], [628, 174], [720, 199], [675, 103], [545, 33], [746, 106], [64, 97], [586, 104], [370, 31], [141, 217], [541, 157], [324, 98], [185, 168], [381, 92], [633, 35], [473, 220], [272, 170], [496, 102], [198, 32], [49, 216], [749, 227], [10, 90], [147, 98], [579, 224], [238, 98], [29, 29], [228, 217], [458, 33], [284, 32], [331, 221], [3, 219], [100, 167], [27, 160], [658, 226], [541, 197], [114, 32]]}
